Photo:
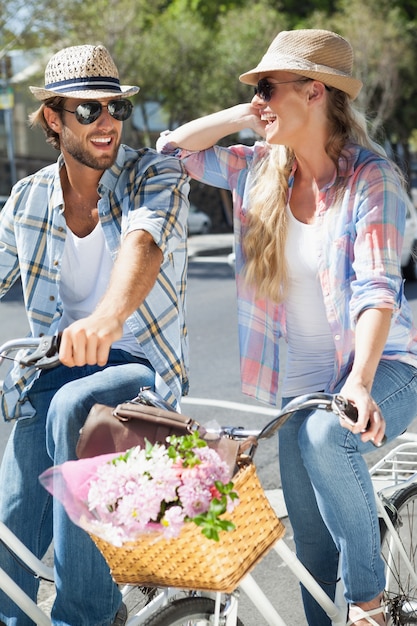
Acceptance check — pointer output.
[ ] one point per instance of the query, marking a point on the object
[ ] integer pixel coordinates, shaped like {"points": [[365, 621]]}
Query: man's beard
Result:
{"points": [[84, 157]]}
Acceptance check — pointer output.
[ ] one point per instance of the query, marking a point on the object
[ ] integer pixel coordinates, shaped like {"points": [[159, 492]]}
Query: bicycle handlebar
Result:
{"points": [[325, 401], [334, 403], [44, 356]]}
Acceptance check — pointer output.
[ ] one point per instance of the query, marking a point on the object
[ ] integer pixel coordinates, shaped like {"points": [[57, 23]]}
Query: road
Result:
{"points": [[215, 394]]}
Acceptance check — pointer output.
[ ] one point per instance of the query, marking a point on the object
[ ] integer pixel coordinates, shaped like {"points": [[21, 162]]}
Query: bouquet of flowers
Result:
{"points": [[157, 488]]}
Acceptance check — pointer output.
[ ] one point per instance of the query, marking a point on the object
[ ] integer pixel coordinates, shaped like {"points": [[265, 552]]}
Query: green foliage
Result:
{"points": [[183, 447], [172, 65], [207, 12], [300, 10], [237, 50], [187, 55], [211, 523], [201, 72], [383, 53]]}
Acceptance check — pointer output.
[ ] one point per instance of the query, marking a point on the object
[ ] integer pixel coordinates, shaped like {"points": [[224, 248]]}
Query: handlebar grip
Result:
{"points": [[349, 412]]}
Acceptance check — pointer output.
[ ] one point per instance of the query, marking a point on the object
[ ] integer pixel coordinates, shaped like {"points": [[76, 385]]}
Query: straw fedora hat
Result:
{"points": [[313, 53], [82, 72]]}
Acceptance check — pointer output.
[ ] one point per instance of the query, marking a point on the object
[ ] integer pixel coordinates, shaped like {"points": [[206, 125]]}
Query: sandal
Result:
{"points": [[356, 613]]}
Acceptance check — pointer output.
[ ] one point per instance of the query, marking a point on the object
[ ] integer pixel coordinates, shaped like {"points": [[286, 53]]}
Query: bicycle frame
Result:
{"points": [[10, 588], [396, 473], [228, 615], [336, 613], [248, 585], [19, 597]]}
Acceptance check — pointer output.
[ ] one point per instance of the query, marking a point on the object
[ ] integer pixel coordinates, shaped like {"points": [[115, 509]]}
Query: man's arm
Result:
{"points": [[89, 340]]}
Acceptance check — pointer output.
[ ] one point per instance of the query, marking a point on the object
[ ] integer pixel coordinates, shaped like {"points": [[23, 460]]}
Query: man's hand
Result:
{"points": [[88, 341]]}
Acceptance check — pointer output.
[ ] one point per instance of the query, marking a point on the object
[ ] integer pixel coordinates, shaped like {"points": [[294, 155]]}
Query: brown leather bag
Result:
{"points": [[115, 429], [108, 429]]}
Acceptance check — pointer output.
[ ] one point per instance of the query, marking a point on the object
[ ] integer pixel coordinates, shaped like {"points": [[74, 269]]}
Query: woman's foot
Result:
{"points": [[367, 613]]}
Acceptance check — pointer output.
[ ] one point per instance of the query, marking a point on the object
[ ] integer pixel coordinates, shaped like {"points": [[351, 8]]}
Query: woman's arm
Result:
{"points": [[204, 132], [370, 338]]}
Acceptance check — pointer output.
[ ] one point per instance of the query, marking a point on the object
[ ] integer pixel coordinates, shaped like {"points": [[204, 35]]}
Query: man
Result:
{"points": [[98, 241]]}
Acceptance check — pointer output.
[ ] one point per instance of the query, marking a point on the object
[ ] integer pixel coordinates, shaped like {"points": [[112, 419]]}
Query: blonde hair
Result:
{"points": [[37, 118], [264, 240]]}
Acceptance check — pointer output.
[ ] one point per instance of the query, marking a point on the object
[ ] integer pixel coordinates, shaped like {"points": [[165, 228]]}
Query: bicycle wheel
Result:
{"points": [[400, 590], [193, 611]]}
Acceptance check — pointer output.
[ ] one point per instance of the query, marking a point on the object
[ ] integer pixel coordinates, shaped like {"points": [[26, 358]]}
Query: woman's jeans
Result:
{"points": [[329, 495], [62, 397]]}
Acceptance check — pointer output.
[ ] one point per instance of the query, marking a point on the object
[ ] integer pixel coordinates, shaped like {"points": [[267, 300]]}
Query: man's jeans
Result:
{"points": [[329, 494], [62, 397]]}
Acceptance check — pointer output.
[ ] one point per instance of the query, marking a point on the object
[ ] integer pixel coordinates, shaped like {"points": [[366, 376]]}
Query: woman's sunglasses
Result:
{"points": [[264, 89], [89, 112]]}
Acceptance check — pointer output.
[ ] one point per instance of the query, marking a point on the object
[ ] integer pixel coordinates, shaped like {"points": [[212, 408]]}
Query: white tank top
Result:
{"points": [[85, 273], [311, 351]]}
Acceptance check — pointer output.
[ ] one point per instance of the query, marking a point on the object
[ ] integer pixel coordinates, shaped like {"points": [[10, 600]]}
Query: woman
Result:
{"points": [[319, 214]]}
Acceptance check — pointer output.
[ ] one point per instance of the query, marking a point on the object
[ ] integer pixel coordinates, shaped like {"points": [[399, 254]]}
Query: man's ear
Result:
{"points": [[53, 119]]}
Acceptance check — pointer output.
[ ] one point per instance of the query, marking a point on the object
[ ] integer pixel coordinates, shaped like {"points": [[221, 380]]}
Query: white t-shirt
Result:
{"points": [[311, 351], [85, 273]]}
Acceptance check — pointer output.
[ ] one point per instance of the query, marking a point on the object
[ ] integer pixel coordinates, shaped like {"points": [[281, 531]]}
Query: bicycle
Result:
{"points": [[396, 491]]}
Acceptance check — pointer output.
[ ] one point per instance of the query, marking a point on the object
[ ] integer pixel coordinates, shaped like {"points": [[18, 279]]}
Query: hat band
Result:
{"points": [[295, 63], [100, 83]]}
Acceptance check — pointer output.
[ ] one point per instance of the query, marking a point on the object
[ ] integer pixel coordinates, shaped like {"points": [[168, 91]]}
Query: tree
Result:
{"points": [[201, 72], [187, 54], [173, 66], [207, 12], [382, 50], [237, 50], [20, 25]]}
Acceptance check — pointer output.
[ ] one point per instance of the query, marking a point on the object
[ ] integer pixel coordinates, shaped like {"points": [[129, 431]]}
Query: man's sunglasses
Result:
{"points": [[89, 112], [264, 89]]}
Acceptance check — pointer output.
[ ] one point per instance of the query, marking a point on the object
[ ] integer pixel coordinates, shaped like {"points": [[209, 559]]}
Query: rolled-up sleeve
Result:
{"points": [[379, 214], [159, 197]]}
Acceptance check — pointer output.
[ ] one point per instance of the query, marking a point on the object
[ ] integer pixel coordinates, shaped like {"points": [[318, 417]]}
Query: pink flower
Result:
{"points": [[195, 497], [173, 521], [153, 488]]}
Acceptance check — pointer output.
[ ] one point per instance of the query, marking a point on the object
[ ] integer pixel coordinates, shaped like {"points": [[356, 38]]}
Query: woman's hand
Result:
{"points": [[250, 115], [371, 334], [371, 423]]}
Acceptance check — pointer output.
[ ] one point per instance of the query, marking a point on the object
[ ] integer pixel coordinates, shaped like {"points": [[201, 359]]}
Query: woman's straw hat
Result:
{"points": [[317, 54], [83, 72]]}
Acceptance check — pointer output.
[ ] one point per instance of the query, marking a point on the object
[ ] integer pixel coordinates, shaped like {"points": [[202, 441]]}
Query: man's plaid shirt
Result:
{"points": [[143, 190]]}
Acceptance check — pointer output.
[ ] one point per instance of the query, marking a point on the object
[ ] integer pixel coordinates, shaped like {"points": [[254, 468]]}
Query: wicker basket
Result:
{"points": [[191, 561]]}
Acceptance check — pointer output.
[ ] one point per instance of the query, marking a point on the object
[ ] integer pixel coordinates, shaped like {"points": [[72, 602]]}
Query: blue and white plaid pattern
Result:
{"points": [[143, 190]]}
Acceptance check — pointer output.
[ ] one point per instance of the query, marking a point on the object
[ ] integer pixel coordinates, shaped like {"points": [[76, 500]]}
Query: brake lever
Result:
{"points": [[46, 354], [152, 398], [348, 412]]}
